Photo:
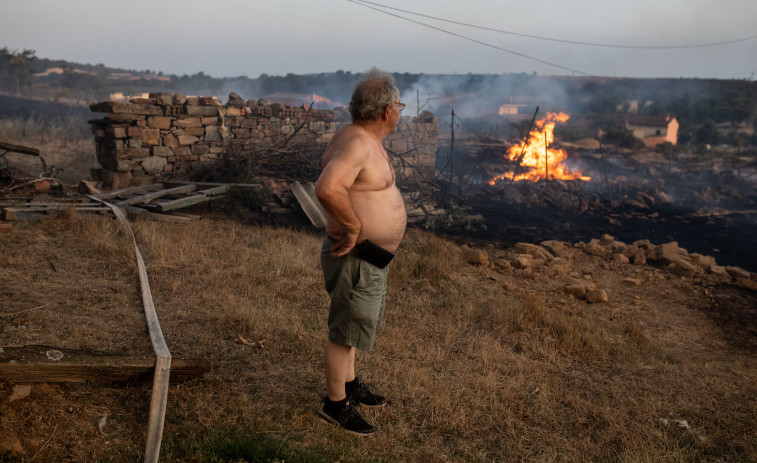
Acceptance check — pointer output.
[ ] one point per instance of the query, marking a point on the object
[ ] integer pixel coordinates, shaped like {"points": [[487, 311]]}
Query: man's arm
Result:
{"points": [[332, 188]]}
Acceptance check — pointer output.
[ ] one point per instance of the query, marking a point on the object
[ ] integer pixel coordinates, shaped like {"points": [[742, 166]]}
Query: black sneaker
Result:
{"points": [[347, 418], [358, 393]]}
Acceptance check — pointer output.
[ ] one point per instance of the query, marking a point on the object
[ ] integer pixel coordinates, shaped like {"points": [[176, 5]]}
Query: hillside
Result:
{"points": [[487, 354]]}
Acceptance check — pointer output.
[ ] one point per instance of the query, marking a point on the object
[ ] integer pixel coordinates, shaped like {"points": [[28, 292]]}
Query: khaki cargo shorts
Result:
{"points": [[358, 294]]}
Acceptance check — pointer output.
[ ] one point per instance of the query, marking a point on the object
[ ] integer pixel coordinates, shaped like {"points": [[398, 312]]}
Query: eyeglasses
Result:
{"points": [[400, 105]]}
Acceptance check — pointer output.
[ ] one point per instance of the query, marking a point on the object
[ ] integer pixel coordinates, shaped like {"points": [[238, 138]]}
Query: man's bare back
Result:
{"points": [[356, 165]]}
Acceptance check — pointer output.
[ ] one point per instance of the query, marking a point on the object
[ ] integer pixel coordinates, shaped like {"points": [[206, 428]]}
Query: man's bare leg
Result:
{"points": [[339, 363]]}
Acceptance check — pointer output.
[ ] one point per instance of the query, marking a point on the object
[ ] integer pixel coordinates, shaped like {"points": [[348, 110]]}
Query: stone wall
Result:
{"points": [[170, 136]]}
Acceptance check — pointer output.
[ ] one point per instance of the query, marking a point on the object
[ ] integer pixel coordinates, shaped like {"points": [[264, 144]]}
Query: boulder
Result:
{"points": [[639, 258], [475, 256], [632, 281], [597, 295], [596, 249], [683, 268], [577, 290], [746, 283], [620, 258], [737, 272], [522, 261]]}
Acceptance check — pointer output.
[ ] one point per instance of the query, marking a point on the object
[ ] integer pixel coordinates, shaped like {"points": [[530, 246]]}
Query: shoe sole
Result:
{"points": [[331, 420]]}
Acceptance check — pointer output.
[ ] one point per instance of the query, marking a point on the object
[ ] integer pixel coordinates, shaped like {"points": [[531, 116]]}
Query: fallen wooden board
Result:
{"points": [[158, 194], [129, 191], [201, 197], [45, 364], [18, 149]]}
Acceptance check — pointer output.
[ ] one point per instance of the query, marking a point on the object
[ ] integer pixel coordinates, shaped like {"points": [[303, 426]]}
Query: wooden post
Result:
{"points": [[546, 161], [525, 140]]}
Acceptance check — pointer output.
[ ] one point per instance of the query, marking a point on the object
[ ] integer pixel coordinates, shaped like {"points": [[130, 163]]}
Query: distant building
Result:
{"points": [[652, 130]]}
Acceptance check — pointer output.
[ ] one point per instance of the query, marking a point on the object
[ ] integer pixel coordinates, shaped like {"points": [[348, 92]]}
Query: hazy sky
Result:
{"points": [[227, 38]]}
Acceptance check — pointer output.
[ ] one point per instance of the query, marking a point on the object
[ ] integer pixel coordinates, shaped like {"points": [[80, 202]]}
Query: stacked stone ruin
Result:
{"points": [[169, 135]]}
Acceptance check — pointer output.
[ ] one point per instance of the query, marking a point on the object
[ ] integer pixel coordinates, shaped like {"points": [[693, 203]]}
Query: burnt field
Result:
{"points": [[707, 202]]}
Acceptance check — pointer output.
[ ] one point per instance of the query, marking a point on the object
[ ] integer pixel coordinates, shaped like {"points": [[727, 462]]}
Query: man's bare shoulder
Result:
{"points": [[348, 142]]}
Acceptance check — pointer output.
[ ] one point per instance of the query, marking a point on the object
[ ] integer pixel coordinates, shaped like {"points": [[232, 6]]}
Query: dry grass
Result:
{"points": [[473, 371], [64, 143]]}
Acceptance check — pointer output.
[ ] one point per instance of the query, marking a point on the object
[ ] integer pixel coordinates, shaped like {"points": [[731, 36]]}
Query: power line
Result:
{"points": [[363, 4], [551, 39]]}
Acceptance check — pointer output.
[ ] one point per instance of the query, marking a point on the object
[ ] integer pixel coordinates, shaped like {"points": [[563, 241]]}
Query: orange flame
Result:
{"points": [[532, 155]]}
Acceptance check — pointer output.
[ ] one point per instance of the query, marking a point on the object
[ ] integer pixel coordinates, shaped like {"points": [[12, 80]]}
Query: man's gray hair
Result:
{"points": [[373, 92]]}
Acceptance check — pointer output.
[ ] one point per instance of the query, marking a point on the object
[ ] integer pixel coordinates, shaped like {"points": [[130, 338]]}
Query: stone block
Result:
{"points": [[170, 140], [151, 136], [118, 107], [181, 151], [240, 132], [210, 110], [200, 149], [209, 121], [153, 164], [187, 139], [188, 122], [130, 153], [233, 111], [163, 151], [134, 131], [116, 132], [159, 122], [212, 133], [162, 99], [195, 131]]}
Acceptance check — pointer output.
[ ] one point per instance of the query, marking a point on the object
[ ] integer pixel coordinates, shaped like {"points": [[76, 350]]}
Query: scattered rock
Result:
{"points": [[665, 254], [620, 258], [20, 391], [86, 187], [683, 268], [596, 249], [475, 256], [746, 284], [522, 261], [10, 444], [632, 281], [639, 258], [606, 240], [737, 272], [597, 295], [502, 265], [717, 270], [576, 290]]}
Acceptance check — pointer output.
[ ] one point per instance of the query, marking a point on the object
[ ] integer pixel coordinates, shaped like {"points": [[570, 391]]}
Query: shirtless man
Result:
{"points": [[357, 189]]}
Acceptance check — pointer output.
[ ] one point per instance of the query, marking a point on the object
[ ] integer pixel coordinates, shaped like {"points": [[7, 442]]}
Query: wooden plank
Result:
{"points": [[45, 364], [19, 149], [130, 191], [203, 196], [158, 194]]}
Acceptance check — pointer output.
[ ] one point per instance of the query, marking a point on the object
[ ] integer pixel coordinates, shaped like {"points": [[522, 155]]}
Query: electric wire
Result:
{"points": [[522, 55], [573, 42]]}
